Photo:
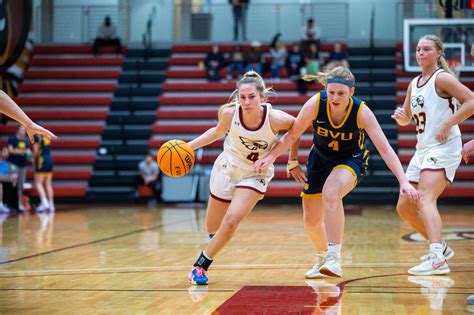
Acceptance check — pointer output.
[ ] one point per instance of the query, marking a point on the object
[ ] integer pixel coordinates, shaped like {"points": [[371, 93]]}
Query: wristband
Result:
{"points": [[292, 164]]}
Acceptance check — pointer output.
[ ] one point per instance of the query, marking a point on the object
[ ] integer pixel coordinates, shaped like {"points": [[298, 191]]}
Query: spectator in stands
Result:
{"points": [[295, 66], [251, 126], [214, 62], [150, 175], [337, 58], [312, 59], [278, 54], [336, 164], [311, 33], [8, 177], [107, 35], [19, 155], [253, 58], [236, 63], [239, 11], [438, 150], [43, 173]]}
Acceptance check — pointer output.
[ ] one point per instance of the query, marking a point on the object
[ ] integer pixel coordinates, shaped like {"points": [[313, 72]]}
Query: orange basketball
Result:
{"points": [[175, 158]]}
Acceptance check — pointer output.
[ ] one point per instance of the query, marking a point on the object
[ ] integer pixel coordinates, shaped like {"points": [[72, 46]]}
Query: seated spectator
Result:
{"points": [[312, 59], [8, 177], [19, 154], [296, 67], [311, 33], [214, 62], [236, 63], [279, 54], [337, 58], [149, 175], [107, 35], [253, 58]]}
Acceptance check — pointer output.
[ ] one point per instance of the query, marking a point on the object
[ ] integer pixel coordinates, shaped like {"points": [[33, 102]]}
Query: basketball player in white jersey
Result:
{"points": [[430, 101], [251, 127]]}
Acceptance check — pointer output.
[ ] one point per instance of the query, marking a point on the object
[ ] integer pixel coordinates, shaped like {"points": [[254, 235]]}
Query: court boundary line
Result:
{"points": [[92, 242]]}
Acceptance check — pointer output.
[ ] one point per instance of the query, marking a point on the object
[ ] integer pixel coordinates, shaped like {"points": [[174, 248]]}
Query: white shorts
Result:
{"points": [[225, 178], [446, 156]]}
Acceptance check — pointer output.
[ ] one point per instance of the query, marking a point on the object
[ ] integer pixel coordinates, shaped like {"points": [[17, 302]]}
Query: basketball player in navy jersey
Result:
{"points": [[337, 162], [430, 101], [11, 109], [251, 127], [43, 173]]}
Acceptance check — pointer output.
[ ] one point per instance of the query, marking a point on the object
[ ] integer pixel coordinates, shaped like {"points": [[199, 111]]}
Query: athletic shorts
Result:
{"points": [[445, 156], [44, 164], [319, 169], [226, 177]]}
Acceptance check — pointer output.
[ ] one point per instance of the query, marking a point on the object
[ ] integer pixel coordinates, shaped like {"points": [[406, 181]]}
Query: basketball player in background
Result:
{"points": [[429, 101], [18, 147], [12, 110], [251, 127], [337, 162], [43, 173]]}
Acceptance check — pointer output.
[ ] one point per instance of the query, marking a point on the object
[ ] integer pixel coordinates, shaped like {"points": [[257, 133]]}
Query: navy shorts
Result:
{"points": [[44, 165], [319, 169]]}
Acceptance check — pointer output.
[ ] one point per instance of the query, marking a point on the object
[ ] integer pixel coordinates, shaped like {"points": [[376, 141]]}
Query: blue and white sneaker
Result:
{"points": [[198, 276]]}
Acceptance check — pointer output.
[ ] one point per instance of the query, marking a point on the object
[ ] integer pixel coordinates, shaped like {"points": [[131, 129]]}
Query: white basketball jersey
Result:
{"points": [[429, 111], [244, 146]]}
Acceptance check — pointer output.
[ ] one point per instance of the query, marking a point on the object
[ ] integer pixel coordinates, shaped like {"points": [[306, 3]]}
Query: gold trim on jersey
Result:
{"points": [[328, 112], [362, 103], [318, 103]]}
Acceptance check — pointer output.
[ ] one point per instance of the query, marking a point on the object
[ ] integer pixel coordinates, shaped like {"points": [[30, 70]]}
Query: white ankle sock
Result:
{"points": [[437, 248], [334, 248]]}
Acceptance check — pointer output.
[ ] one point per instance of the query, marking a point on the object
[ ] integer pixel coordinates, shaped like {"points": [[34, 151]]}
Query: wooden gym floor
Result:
{"points": [[122, 259]]}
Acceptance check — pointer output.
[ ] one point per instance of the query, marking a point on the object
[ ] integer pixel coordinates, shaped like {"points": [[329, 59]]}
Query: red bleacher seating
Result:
{"points": [[69, 90]]}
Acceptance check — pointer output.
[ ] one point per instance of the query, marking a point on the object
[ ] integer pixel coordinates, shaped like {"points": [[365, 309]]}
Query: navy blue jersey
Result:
{"points": [[43, 161], [335, 142], [18, 159]]}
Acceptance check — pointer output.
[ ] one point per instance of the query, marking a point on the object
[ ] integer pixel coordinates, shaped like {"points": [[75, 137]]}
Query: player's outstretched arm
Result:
{"points": [[11, 109], [215, 133], [368, 122], [302, 122]]}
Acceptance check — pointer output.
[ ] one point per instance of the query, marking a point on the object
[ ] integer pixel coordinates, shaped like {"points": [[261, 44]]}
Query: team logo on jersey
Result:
{"points": [[254, 144], [417, 101], [261, 181], [433, 160]]}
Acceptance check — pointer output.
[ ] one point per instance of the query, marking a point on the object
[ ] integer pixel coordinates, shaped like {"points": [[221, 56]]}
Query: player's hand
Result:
{"points": [[410, 192], [400, 114], [467, 150], [263, 164], [443, 133], [298, 174], [33, 129]]}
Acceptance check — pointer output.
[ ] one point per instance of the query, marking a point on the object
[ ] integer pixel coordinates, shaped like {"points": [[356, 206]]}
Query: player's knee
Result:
{"points": [[230, 223], [331, 199], [312, 219]]}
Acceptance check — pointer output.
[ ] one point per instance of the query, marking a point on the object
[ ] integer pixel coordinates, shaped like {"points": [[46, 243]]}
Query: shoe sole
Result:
{"points": [[325, 271], [430, 273], [318, 276]]}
